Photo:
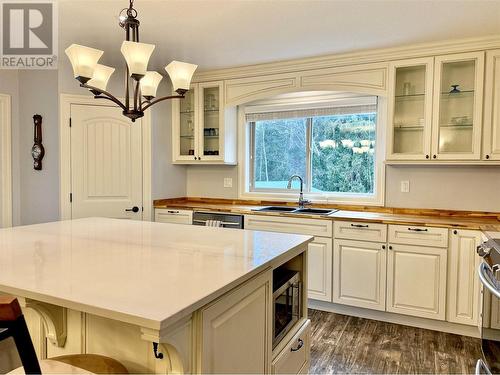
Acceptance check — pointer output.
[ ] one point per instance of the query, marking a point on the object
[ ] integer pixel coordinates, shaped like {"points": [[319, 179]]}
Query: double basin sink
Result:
{"points": [[296, 210]]}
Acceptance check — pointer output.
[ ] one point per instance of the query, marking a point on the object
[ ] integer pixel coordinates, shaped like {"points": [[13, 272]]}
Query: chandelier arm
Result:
{"points": [[106, 94], [162, 99], [136, 96]]}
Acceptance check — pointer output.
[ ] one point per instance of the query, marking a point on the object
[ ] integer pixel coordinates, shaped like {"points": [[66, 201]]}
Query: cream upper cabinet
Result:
{"points": [[359, 270], [203, 129], [416, 281], [457, 108], [463, 283], [410, 109], [491, 139]]}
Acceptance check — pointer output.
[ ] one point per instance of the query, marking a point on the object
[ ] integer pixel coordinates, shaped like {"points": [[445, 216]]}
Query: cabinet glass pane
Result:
{"points": [[187, 124], [456, 107], [211, 144], [409, 110]]}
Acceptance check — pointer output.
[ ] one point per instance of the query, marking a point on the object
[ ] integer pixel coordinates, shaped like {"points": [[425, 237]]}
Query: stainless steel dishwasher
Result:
{"points": [[226, 220]]}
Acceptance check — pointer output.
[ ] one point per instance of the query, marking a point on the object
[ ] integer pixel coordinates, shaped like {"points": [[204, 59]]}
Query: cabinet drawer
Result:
{"points": [[350, 230], [173, 216], [311, 227], [413, 235], [295, 355]]}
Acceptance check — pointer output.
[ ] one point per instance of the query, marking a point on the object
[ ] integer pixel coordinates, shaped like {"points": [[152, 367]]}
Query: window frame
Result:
{"points": [[246, 149]]}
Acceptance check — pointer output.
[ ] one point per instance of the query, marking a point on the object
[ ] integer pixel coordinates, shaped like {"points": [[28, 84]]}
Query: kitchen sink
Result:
{"points": [[295, 210], [314, 211], [276, 209]]}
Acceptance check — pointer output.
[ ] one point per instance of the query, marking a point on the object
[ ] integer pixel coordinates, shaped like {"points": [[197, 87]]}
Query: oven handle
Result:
{"points": [[481, 365], [484, 279]]}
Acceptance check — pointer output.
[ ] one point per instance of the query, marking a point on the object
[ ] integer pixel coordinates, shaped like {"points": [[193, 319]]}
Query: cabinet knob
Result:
{"points": [[455, 232], [390, 247], [434, 156], [427, 156], [487, 156], [199, 157], [383, 247]]}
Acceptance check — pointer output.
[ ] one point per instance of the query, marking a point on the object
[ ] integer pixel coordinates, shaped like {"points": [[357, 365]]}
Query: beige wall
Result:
{"points": [[447, 187]]}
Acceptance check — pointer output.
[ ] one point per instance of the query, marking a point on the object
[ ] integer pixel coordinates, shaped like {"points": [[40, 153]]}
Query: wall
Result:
{"points": [[39, 190], [473, 188]]}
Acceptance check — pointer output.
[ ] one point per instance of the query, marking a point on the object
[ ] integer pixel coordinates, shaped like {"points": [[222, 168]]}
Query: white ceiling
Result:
{"points": [[222, 33]]}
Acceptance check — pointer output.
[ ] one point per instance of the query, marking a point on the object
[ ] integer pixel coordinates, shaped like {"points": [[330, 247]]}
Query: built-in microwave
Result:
{"points": [[286, 302]]}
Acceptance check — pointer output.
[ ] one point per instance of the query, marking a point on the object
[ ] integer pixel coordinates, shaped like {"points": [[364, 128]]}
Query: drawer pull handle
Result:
{"points": [[359, 226], [418, 230], [173, 212], [299, 346]]}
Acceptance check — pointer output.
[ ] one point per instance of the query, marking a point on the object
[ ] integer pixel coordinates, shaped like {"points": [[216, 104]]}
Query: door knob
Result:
{"points": [[134, 209]]}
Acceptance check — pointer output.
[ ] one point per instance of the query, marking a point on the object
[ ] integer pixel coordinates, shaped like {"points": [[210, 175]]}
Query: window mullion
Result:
{"points": [[308, 176]]}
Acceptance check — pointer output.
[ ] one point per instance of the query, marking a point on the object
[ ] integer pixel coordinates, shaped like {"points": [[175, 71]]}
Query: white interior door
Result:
{"points": [[106, 163]]}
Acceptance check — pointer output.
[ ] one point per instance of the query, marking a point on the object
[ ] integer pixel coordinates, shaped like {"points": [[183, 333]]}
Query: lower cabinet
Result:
{"points": [[243, 316], [463, 282], [416, 281], [359, 270], [173, 216], [319, 265], [294, 358]]}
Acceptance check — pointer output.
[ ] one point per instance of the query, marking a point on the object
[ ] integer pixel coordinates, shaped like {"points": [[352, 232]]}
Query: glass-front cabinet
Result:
{"points": [[435, 108], [203, 130], [457, 116], [410, 109]]}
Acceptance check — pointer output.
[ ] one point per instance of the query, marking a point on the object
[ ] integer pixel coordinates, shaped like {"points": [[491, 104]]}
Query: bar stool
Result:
{"points": [[13, 324]]}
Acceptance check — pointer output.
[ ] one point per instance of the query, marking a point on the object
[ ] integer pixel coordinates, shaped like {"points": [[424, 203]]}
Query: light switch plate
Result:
{"points": [[405, 186], [228, 182]]}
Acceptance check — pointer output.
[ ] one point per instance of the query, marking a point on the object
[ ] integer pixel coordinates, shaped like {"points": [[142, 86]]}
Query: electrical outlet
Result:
{"points": [[405, 186], [228, 182]]}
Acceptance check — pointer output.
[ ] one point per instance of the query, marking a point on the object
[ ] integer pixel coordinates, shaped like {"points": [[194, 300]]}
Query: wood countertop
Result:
{"points": [[424, 217], [138, 272]]}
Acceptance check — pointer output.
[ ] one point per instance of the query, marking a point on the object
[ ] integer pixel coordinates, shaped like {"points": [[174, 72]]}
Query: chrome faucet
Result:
{"points": [[302, 201]]}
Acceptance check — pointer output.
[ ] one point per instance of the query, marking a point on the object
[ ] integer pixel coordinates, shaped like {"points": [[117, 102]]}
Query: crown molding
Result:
{"points": [[352, 58]]}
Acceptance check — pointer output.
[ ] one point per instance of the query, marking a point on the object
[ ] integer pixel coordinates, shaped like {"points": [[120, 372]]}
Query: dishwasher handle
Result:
{"points": [[483, 271], [480, 365]]}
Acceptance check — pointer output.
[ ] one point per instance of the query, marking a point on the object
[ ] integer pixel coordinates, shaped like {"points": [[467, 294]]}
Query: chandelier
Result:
{"points": [[140, 84]]}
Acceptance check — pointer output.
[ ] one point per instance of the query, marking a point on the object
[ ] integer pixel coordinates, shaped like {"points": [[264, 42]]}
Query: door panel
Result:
{"points": [[106, 163], [319, 263], [359, 274]]}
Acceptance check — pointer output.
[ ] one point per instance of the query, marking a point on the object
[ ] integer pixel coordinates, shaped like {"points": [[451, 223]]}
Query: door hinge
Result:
{"points": [[142, 209], [70, 197], [70, 122]]}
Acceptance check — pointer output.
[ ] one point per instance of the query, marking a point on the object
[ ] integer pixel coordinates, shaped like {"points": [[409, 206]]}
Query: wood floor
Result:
{"points": [[344, 344]]}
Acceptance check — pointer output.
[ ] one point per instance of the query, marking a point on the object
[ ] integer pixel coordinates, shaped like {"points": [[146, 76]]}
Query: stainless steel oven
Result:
{"points": [[489, 274], [286, 302]]}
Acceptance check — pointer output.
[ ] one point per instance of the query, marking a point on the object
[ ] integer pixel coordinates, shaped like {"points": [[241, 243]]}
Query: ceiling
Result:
{"points": [[223, 33]]}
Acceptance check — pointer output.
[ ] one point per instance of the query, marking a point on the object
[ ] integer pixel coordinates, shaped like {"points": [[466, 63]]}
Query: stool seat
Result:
{"points": [[78, 364]]}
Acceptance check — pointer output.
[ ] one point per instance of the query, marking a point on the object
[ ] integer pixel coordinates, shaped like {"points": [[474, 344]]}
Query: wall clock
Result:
{"points": [[37, 151]]}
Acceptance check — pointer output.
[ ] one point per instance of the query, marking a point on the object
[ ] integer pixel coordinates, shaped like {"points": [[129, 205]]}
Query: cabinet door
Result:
{"points": [[236, 335], [463, 282], [211, 117], [319, 279], [359, 274], [416, 281], [185, 126], [410, 109], [458, 102], [491, 136]]}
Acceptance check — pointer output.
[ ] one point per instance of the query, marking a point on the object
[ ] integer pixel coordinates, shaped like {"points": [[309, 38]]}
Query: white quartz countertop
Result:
{"points": [[145, 273]]}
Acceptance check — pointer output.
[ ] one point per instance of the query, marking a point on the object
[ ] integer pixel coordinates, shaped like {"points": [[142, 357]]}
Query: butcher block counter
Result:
{"points": [[385, 215], [115, 287]]}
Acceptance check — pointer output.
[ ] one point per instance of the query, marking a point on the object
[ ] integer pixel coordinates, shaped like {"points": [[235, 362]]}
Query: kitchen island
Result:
{"points": [[201, 298]]}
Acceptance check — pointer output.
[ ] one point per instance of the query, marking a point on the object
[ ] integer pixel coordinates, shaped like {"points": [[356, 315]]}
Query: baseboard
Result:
{"points": [[435, 325]]}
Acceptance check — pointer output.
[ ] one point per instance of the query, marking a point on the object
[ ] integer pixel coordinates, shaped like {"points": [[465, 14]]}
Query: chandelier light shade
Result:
{"points": [[84, 60], [137, 56], [149, 84], [102, 74], [180, 74], [141, 85]]}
